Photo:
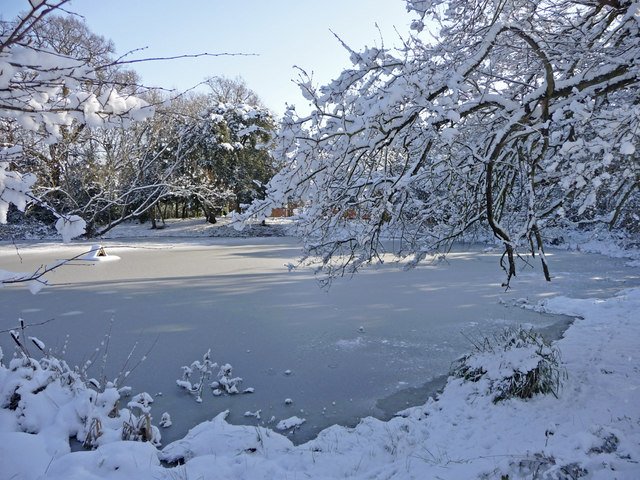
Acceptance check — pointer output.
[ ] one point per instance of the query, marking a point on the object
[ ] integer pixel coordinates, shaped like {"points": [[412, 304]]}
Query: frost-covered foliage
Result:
{"points": [[195, 376], [203, 370], [510, 114], [226, 382], [47, 93], [47, 396], [70, 227], [517, 363]]}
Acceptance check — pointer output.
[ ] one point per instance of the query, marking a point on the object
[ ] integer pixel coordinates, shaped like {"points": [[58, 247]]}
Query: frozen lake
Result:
{"points": [[366, 347]]}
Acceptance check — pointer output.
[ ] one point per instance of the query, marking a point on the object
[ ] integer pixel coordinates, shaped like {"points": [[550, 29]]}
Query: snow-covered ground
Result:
{"points": [[369, 337]]}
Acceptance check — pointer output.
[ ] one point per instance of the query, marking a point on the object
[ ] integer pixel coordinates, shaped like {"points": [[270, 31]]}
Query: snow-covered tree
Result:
{"points": [[230, 143], [50, 93], [203, 156], [509, 114], [67, 169]]}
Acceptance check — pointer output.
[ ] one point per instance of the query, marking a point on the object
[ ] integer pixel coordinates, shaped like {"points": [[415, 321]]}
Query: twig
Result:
{"points": [[15, 245], [125, 374], [44, 269], [175, 57], [25, 326]]}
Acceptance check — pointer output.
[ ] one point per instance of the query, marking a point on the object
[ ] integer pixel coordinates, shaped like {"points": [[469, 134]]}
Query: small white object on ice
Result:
{"points": [[287, 372], [217, 392], [288, 401], [361, 329], [249, 390], [291, 422], [165, 421], [255, 414], [98, 254]]}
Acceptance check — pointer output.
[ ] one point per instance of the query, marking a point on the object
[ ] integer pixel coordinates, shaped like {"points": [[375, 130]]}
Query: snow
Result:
{"points": [[70, 227], [627, 148], [165, 420], [217, 438], [289, 423]]}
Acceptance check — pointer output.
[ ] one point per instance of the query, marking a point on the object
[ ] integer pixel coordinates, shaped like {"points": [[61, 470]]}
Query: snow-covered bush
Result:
{"points": [[204, 368], [226, 383], [139, 427], [516, 363], [47, 394]]}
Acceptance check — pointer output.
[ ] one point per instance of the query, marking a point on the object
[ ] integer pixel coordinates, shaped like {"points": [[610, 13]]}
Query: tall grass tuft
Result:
{"points": [[515, 363]]}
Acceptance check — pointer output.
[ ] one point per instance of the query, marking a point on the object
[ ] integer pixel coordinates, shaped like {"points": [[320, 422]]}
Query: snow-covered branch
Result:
{"points": [[519, 115]]}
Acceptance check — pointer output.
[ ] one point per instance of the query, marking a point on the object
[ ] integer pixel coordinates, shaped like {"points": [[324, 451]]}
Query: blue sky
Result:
{"points": [[283, 32]]}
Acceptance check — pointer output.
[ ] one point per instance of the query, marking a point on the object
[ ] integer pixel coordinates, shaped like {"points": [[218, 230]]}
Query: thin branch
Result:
{"points": [[175, 57]]}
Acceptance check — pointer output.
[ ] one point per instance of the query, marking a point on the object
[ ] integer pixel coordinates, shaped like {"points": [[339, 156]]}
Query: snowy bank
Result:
{"points": [[591, 430]]}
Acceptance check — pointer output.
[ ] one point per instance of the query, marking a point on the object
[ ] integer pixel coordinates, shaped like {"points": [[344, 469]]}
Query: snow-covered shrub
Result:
{"points": [[516, 363], [139, 427], [46, 393], [204, 368], [226, 383]]}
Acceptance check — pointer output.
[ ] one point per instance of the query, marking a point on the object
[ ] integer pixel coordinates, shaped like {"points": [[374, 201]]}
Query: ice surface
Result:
{"points": [[177, 300]]}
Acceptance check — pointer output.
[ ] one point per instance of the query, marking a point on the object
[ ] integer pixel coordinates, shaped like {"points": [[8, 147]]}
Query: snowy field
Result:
{"points": [[371, 345]]}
